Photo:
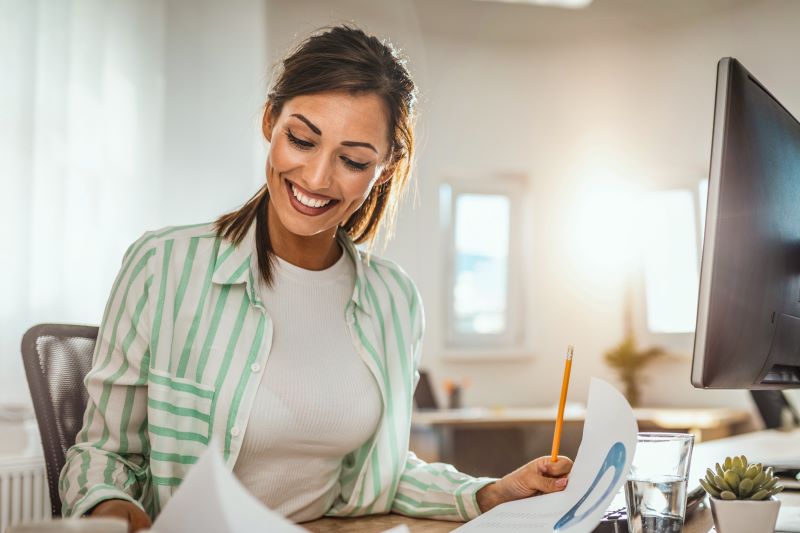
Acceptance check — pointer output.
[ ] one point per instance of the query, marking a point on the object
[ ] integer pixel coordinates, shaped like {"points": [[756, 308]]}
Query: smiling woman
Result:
{"points": [[269, 331], [313, 172], [343, 104]]}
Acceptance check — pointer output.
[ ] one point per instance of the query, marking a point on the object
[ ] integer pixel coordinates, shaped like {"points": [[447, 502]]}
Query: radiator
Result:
{"points": [[24, 495]]}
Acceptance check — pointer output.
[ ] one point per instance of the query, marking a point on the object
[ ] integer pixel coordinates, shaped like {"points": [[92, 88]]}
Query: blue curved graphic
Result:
{"points": [[614, 459]]}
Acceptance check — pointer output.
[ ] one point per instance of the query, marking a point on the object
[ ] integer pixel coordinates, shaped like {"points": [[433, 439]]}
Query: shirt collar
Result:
{"points": [[239, 264]]}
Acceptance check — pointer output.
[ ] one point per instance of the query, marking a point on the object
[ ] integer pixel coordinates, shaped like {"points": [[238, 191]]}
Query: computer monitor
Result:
{"points": [[748, 316]]}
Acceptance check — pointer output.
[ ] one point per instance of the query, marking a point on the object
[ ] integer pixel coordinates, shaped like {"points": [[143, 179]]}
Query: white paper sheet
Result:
{"points": [[212, 499], [601, 466]]}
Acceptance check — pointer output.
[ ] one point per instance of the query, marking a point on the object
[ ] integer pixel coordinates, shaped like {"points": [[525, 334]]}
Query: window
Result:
{"points": [[480, 294], [481, 223], [671, 258]]}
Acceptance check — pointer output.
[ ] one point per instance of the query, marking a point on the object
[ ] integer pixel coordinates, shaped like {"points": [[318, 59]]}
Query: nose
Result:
{"points": [[319, 173]]}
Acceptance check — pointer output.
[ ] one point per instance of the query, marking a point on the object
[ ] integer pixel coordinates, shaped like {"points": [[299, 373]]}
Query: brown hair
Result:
{"points": [[341, 58]]}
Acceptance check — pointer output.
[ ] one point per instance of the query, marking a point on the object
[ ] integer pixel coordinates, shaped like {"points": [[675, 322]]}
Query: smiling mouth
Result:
{"points": [[305, 203]]}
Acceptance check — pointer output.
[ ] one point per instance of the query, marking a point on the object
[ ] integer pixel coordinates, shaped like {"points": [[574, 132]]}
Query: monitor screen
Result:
{"points": [[748, 319]]}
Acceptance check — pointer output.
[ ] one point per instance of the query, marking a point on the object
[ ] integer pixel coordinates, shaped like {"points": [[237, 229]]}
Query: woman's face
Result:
{"points": [[326, 153]]}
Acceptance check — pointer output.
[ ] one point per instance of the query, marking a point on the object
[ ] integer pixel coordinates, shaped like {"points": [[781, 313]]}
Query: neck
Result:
{"points": [[312, 252]]}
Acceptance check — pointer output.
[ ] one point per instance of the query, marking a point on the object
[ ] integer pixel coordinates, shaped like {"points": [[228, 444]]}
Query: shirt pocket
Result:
{"points": [[178, 418]]}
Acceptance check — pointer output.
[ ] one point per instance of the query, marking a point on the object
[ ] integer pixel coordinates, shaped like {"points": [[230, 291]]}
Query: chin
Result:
{"points": [[302, 226]]}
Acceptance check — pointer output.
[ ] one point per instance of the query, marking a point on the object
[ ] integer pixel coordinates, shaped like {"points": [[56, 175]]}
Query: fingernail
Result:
{"points": [[561, 483]]}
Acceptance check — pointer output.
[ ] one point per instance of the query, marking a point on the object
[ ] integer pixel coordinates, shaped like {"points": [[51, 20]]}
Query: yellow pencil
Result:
{"points": [[561, 403]]}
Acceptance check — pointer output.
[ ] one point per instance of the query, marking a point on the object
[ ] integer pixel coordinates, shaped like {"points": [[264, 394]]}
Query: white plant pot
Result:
{"points": [[745, 516]]}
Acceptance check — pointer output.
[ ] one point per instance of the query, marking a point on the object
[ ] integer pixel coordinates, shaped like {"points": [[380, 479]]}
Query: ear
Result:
{"points": [[267, 123]]}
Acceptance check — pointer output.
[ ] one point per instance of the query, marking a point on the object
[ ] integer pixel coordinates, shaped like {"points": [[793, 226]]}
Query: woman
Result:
{"points": [[271, 332]]}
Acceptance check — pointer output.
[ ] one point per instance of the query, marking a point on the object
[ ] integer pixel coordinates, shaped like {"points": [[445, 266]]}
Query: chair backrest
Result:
{"points": [[772, 404], [423, 396], [57, 357]]}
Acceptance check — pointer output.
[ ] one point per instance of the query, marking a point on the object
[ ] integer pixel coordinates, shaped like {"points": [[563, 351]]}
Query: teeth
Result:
{"points": [[308, 202]]}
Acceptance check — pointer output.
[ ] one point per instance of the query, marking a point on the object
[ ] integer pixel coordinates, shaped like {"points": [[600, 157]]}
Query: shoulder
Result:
{"points": [[155, 240], [158, 251]]}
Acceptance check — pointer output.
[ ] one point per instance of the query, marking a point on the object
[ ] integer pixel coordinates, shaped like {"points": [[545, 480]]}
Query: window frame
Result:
{"points": [[512, 186]]}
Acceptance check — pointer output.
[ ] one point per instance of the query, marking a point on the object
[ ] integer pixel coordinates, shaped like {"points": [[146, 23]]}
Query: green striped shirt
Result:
{"points": [[183, 337]]}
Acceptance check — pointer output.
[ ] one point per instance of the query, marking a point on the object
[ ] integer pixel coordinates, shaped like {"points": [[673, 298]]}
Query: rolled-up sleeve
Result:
{"points": [[438, 491]]}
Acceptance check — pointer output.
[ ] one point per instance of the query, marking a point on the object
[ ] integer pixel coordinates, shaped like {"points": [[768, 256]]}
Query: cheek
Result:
{"points": [[357, 190], [284, 158]]}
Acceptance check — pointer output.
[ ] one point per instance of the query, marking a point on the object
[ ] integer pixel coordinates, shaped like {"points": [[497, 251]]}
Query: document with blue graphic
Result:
{"points": [[601, 466]]}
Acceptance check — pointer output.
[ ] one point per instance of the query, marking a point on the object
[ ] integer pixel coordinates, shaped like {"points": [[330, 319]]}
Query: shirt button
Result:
{"points": [[234, 431], [255, 367]]}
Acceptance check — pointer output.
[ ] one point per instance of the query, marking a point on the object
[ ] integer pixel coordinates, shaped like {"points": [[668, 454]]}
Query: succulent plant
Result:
{"points": [[736, 479]]}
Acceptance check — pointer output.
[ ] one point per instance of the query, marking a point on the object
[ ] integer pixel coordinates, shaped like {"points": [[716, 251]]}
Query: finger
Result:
{"points": [[139, 521], [547, 484], [558, 468]]}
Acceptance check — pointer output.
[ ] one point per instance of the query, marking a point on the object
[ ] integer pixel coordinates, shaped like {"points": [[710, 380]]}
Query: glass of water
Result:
{"points": [[655, 490]]}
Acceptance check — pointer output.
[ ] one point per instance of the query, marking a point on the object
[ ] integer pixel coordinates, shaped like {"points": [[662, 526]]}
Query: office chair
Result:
{"points": [[423, 396], [57, 357], [771, 405]]}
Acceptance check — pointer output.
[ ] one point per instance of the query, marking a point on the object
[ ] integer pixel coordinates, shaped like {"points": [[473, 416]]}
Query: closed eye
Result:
{"points": [[299, 143], [353, 165]]}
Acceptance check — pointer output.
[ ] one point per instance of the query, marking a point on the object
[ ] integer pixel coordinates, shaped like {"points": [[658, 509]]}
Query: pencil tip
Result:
{"points": [[570, 351]]}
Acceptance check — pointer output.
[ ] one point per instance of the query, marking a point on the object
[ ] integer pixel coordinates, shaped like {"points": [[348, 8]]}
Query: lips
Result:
{"points": [[308, 197]]}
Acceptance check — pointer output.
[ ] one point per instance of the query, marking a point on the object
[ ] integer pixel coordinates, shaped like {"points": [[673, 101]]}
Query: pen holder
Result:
{"points": [[454, 397], [452, 389]]}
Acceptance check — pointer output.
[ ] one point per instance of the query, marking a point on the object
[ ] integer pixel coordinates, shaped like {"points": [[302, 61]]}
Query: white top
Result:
{"points": [[317, 400]]}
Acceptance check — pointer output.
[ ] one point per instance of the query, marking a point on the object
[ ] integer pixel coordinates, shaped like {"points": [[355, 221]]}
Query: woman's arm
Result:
{"points": [[109, 458], [433, 490], [437, 491]]}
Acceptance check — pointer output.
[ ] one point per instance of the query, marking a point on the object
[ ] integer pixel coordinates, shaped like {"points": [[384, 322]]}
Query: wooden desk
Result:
{"points": [[760, 445], [493, 442], [700, 522], [377, 524]]}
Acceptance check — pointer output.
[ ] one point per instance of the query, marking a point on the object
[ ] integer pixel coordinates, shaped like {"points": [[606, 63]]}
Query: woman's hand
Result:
{"points": [[135, 517], [540, 476]]}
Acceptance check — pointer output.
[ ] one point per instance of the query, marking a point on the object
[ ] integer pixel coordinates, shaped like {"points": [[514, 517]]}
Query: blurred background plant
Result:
{"points": [[629, 362]]}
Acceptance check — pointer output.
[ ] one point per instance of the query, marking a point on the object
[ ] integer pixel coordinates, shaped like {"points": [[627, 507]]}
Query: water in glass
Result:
{"points": [[656, 505]]}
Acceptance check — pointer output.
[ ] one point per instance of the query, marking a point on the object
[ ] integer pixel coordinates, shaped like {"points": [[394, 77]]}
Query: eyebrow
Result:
{"points": [[356, 143], [318, 131]]}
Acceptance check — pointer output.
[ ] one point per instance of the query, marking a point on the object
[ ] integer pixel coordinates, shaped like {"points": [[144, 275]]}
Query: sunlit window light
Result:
{"points": [[670, 261], [481, 263]]}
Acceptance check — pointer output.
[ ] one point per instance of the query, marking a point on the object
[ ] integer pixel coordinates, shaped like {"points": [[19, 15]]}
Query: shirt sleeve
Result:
{"points": [[434, 490], [109, 457], [438, 491]]}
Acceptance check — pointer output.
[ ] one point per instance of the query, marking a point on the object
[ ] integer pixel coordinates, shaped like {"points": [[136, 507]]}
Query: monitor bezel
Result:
{"points": [[712, 205]]}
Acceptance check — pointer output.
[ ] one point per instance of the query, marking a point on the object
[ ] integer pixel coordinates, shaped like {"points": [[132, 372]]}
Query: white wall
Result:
{"points": [[215, 79], [620, 96]]}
